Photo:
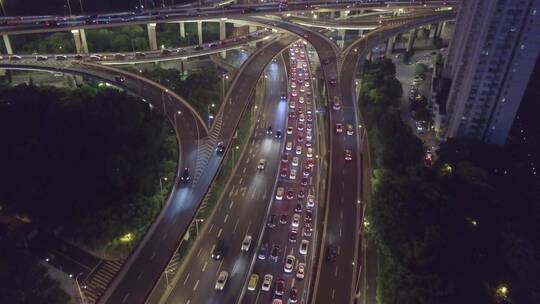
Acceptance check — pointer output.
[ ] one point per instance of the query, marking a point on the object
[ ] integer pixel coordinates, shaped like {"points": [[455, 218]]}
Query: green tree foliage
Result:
{"points": [[24, 281], [122, 39], [89, 159], [45, 43]]}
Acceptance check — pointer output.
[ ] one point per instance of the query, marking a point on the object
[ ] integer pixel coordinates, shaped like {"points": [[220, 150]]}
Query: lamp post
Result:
{"points": [[161, 184], [210, 116], [163, 100], [69, 7], [175, 113], [197, 225]]}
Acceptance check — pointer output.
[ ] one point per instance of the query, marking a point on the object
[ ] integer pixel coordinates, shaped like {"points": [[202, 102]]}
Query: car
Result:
{"points": [[199, 47], [292, 175], [220, 148], [181, 51], [348, 154], [302, 89], [309, 216], [289, 263], [96, 57], [295, 161], [301, 117], [310, 164], [292, 236], [309, 152], [218, 251], [306, 230], [285, 158], [261, 165], [300, 111], [289, 130], [271, 221], [253, 280], [304, 182], [309, 117], [283, 97], [246, 243], [165, 52], [267, 282], [301, 99], [331, 253], [288, 146], [350, 129], [309, 135], [279, 193], [61, 57], [120, 78], [278, 134], [339, 128], [222, 280], [280, 287], [298, 208], [274, 253], [185, 177], [336, 104], [290, 195], [295, 220], [277, 301], [298, 150], [306, 172], [284, 171], [293, 84], [294, 93], [309, 127], [292, 115], [140, 55], [78, 57], [119, 56], [293, 295], [269, 130], [300, 127], [310, 201], [300, 272], [332, 81], [300, 138], [263, 251], [283, 218], [292, 105], [301, 193]]}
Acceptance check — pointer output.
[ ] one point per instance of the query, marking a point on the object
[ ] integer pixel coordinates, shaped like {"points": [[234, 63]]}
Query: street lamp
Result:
{"points": [[177, 112], [210, 116], [161, 184], [197, 225]]}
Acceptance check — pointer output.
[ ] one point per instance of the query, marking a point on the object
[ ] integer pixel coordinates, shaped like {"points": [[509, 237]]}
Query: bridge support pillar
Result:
{"points": [[222, 30], [199, 32], [80, 41], [7, 44], [341, 38], [410, 42], [152, 39], [390, 46], [182, 29]]}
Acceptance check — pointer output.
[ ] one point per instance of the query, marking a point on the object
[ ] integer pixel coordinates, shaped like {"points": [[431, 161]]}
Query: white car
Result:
{"points": [[289, 130], [293, 84], [292, 105], [301, 117], [262, 164], [222, 280], [307, 84], [310, 202], [304, 247], [298, 150], [309, 135], [292, 175], [295, 220], [289, 263], [309, 152], [288, 146], [246, 243], [301, 99], [267, 282], [295, 161], [300, 272], [279, 193]]}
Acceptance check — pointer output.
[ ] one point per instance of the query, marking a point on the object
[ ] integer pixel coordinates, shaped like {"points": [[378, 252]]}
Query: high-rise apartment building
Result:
{"points": [[490, 60]]}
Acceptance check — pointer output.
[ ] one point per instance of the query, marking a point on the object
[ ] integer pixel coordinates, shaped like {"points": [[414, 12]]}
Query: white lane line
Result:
{"points": [[241, 180], [213, 247], [338, 250], [339, 231], [211, 227], [187, 277], [244, 171], [219, 232], [336, 272], [204, 266], [226, 218], [231, 192], [196, 285], [140, 275], [199, 252], [219, 268], [231, 204], [235, 266], [236, 225], [341, 214], [188, 301], [333, 292]]}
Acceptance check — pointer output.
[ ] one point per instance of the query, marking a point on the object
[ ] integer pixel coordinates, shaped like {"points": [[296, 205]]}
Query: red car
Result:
{"points": [[348, 154]]}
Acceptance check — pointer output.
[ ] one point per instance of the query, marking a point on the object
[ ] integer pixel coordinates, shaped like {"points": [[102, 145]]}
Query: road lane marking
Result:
{"points": [[199, 252], [187, 277], [219, 268], [336, 272], [211, 227], [196, 284], [338, 250], [236, 225], [226, 218], [213, 247], [339, 231], [241, 180], [341, 214], [140, 275], [204, 266], [231, 204], [188, 301], [333, 292], [219, 232], [244, 171]]}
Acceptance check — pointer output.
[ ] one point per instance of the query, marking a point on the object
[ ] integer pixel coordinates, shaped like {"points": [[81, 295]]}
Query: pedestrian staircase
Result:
{"points": [[99, 279]]}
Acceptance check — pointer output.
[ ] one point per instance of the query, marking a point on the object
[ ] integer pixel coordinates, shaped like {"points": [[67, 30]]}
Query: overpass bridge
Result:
{"points": [[144, 267]]}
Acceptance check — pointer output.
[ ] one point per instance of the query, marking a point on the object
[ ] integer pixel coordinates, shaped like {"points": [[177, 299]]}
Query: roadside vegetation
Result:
{"points": [[458, 232], [88, 160]]}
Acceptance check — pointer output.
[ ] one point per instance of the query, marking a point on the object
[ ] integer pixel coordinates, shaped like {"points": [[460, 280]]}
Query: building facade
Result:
{"points": [[490, 60]]}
